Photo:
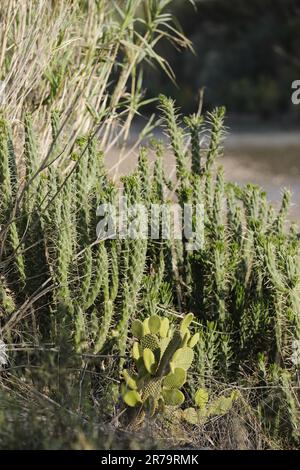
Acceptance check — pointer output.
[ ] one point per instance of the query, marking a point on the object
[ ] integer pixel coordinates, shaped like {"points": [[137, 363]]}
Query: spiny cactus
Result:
{"points": [[8, 189], [176, 135], [204, 408], [194, 124], [162, 356]]}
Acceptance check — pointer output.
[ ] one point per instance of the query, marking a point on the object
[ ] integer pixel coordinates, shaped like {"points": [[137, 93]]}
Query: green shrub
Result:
{"points": [[61, 286]]}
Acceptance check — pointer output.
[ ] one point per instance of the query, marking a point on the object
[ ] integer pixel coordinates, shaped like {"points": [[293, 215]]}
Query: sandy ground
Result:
{"points": [[270, 159]]}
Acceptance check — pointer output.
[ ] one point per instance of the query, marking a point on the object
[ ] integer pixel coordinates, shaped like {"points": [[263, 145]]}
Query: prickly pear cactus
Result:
{"points": [[162, 356], [204, 409]]}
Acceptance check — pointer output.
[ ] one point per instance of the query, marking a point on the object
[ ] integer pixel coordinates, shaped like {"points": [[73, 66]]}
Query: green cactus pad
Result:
{"points": [[136, 354], [149, 360], [150, 342], [130, 381], [132, 398], [176, 379], [164, 342], [152, 389], [183, 358], [154, 324], [137, 329], [186, 323], [173, 397], [201, 398], [194, 340], [186, 339], [164, 327], [146, 328]]}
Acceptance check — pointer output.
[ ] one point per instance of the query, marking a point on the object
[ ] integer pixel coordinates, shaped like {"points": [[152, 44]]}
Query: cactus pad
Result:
{"points": [[132, 398], [149, 360], [220, 406], [154, 324], [194, 340], [150, 342], [186, 338], [183, 358], [186, 323], [173, 397], [164, 342], [176, 379], [164, 327], [136, 354], [173, 345], [152, 389], [146, 329]]}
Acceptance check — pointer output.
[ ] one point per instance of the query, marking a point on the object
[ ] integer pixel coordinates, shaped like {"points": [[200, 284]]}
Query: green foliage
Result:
{"points": [[60, 285], [201, 398], [205, 409], [159, 377]]}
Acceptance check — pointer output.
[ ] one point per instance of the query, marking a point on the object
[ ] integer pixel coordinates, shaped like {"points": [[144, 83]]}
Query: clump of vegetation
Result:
{"points": [[203, 411], [83, 59], [64, 288]]}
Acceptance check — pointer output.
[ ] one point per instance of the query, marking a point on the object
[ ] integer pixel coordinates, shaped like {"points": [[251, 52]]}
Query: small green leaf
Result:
{"points": [[201, 398], [235, 395], [173, 397], [154, 324], [132, 398]]}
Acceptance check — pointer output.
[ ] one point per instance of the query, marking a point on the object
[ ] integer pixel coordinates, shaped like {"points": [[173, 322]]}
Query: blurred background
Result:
{"points": [[246, 56]]}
